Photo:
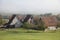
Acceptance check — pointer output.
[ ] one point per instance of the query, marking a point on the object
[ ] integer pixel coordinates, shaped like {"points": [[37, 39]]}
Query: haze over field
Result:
{"points": [[30, 6]]}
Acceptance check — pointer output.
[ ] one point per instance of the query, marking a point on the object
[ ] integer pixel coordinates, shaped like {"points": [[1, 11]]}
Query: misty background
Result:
{"points": [[29, 6]]}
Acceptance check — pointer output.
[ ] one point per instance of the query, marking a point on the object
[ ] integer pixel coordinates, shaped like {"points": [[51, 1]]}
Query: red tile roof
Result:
{"points": [[50, 21]]}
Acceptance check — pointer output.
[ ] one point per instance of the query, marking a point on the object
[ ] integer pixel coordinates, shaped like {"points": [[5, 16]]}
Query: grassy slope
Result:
{"points": [[20, 34]]}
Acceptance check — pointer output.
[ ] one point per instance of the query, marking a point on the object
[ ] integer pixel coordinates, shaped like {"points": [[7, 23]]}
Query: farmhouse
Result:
{"points": [[50, 22], [17, 21]]}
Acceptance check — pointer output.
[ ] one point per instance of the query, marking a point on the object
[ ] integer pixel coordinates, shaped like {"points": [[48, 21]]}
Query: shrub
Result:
{"points": [[27, 25], [32, 26], [41, 27]]}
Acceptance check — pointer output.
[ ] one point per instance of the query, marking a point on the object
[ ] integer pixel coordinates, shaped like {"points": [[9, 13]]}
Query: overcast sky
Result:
{"points": [[30, 6]]}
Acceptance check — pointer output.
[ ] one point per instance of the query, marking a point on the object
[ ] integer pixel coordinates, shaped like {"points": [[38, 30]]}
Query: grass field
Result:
{"points": [[23, 34]]}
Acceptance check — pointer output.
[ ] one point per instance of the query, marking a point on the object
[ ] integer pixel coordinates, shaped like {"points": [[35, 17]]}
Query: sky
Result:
{"points": [[30, 6]]}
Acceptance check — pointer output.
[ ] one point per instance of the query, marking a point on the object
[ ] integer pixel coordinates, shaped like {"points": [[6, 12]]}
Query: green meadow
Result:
{"points": [[26, 34]]}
